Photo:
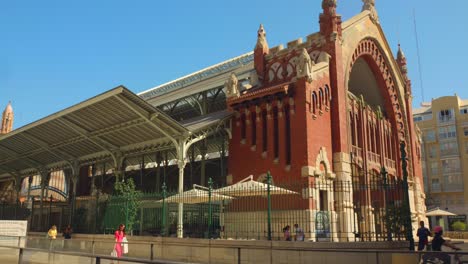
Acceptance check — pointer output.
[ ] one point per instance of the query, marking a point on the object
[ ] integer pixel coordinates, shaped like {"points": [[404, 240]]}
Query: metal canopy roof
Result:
{"points": [[115, 121]]}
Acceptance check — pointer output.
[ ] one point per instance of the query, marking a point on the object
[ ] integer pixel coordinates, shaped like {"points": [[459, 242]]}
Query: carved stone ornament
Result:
{"points": [[330, 6], [232, 86], [261, 38], [304, 66], [370, 5]]}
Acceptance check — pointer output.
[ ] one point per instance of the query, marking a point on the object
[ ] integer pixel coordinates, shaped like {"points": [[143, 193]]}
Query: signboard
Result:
{"points": [[12, 232], [13, 228]]}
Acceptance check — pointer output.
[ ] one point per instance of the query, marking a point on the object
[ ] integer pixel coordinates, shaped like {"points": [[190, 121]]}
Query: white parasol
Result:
{"points": [[249, 187], [199, 194], [439, 212]]}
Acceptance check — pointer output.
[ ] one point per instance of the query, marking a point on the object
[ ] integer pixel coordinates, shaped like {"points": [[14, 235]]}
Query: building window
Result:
{"points": [[434, 168], [435, 185], [449, 148], [288, 134], [451, 165], [432, 151], [243, 126], [314, 102], [453, 182], [264, 131], [417, 118], [464, 111], [320, 98], [447, 132], [465, 131], [446, 115], [254, 128], [429, 136], [466, 147]]}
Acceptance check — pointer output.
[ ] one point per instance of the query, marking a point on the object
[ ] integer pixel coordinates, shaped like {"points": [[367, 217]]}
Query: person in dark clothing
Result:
{"points": [[438, 241], [423, 234], [67, 232]]}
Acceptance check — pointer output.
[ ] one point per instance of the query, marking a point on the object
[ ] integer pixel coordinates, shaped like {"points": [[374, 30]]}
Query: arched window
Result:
{"points": [[327, 95], [320, 98], [314, 102]]}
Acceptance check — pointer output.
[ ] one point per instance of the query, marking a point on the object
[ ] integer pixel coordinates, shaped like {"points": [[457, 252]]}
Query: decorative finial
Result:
{"points": [[329, 7], [400, 54], [401, 60], [370, 6], [261, 38]]}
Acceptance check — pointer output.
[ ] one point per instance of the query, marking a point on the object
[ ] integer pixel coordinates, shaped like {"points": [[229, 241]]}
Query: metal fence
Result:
{"points": [[367, 207]]}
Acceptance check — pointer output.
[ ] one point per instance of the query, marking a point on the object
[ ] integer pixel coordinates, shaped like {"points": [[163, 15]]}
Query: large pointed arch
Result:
{"points": [[371, 52]]}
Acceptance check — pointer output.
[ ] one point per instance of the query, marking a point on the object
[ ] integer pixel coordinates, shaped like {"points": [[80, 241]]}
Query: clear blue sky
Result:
{"points": [[54, 54]]}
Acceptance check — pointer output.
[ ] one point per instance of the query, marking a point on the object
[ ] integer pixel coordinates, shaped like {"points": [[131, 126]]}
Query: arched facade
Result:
{"points": [[350, 116]]}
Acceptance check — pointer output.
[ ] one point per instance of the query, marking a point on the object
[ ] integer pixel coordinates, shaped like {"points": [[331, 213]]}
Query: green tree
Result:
{"points": [[459, 226], [126, 192]]}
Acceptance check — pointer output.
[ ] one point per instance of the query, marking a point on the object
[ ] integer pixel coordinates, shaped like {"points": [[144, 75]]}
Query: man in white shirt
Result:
{"points": [[299, 233]]}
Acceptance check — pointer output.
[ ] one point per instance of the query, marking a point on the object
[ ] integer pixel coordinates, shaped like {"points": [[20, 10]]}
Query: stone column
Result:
{"points": [[203, 150], [344, 197], [74, 178], [45, 175], [30, 180], [180, 212]]}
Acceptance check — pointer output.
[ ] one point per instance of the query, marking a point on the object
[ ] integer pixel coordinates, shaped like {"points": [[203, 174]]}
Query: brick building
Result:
{"points": [[323, 105], [319, 114]]}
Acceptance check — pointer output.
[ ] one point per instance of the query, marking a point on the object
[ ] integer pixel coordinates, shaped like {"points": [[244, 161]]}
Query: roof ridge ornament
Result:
{"points": [[401, 60], [261, 38], [370, 6], [304, 66]]}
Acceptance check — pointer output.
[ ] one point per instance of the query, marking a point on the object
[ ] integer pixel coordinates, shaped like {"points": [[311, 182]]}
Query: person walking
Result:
{"points": [[287, 233], [119, 235], [298, 233], [423, 234]]}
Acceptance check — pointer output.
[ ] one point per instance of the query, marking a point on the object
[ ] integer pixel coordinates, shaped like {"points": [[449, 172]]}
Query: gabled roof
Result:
{"points": [[115, 121]]}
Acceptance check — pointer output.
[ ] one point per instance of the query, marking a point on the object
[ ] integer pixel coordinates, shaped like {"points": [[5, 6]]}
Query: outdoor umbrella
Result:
{"points": [[249, 187], [199, 194], [439, 212]]}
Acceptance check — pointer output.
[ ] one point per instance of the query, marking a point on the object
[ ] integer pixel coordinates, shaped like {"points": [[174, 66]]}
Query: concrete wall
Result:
{"points": [[229, 251]]}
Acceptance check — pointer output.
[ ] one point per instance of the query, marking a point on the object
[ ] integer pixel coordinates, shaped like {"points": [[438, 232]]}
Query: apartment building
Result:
{"points": [[444, 129]]}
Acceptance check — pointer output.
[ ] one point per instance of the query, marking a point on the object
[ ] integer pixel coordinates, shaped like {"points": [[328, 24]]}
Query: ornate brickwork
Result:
{"points": [[369, 50]]}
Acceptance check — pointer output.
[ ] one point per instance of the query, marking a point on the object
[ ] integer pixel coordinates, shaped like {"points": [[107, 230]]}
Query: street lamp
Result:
{"points": [[406, 204]]}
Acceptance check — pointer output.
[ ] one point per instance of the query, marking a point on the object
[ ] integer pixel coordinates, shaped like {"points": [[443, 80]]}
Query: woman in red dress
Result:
{"points": [[119, 235]]}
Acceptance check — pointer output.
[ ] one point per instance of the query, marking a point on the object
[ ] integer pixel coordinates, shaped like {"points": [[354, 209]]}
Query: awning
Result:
{"points": [[115, 121]]}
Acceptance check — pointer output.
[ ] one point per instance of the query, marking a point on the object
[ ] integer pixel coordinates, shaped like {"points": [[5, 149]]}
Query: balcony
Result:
{"points": [[357, 152], [373, 158], [390, 164]]}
